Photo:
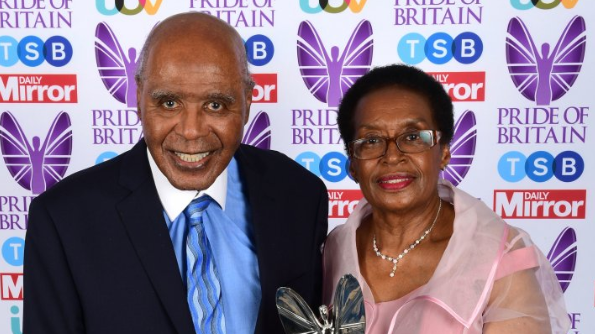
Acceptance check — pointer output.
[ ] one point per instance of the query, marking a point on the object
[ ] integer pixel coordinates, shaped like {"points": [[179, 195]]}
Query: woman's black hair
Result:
{"points": [[403, 76]]}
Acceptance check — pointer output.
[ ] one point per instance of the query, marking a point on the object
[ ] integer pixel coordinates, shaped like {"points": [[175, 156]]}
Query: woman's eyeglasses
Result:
{"points": [[410, 142]]}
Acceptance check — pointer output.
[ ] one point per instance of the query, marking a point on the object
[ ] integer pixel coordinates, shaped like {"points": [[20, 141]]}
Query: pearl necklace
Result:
{"points": [[396, 259]]}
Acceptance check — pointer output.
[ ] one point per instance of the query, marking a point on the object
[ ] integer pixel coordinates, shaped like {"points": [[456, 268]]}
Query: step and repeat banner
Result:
{"points": [[518, 72]]}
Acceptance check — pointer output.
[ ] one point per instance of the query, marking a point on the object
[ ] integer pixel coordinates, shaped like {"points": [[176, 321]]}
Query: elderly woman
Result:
{"points": [[429, 257]]}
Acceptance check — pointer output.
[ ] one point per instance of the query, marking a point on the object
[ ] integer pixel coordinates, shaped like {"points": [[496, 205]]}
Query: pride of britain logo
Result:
{"points": [[462, 148], [545, 75], [329, 76], [259, 132], [116, 68], [36, 166], [562, 256]]}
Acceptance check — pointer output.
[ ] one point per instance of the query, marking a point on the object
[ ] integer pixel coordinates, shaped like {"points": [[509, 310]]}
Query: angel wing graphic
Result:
{"points": [[259, 132], [562, 256], [540, 75], [329, 76], [36, 166], [116, 69], [462, 148], [348, 314]]}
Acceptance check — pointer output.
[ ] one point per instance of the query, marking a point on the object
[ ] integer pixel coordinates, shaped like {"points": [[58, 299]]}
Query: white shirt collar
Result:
{"points": [[174, 200]]}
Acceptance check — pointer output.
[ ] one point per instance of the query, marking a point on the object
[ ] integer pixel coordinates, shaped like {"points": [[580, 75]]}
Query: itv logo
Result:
{"points": [[119, 6], [315, 7], [541, 4]]}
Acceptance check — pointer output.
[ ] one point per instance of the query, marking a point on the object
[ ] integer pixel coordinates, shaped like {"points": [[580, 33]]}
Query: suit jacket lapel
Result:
{"points": [[266, 215], [142, 215]]}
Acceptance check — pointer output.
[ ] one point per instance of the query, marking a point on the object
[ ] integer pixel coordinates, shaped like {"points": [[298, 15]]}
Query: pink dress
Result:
{"points": [[482, 253]]}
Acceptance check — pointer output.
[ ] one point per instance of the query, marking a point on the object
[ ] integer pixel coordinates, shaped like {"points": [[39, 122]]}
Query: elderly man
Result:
{"points": [[189, 231]]}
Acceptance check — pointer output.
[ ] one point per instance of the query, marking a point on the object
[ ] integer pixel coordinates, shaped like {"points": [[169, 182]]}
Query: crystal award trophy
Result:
{"points": [[347, 314]]}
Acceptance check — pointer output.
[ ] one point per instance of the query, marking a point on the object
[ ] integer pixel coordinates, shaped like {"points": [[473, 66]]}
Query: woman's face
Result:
{"points": [[397, 181]]}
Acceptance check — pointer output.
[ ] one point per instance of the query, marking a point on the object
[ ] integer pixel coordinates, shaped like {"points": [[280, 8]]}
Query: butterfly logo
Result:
{"points": [[545, 75], [562, 256], [329, 76], [462, 148], [348, 313], [116, 69], [36, 166], [259, 132]]}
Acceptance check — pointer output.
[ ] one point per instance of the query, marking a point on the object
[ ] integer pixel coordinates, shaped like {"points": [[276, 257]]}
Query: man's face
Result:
{"points": [[193, 104]]}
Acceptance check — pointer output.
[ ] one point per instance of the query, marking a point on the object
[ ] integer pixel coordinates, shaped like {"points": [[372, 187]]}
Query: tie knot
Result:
{"points": [[196, 208]]}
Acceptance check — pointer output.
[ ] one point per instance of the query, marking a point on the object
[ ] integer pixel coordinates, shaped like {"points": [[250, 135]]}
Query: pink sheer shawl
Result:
{"points": [[489, 272]]}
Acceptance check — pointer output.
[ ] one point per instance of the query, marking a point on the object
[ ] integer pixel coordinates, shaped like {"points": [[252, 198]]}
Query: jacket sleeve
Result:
{"points": [[320, 236], [50, 304]]}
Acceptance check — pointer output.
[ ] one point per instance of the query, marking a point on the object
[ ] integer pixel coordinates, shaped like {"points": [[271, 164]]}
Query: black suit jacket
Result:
{"points": [[99, 259]]}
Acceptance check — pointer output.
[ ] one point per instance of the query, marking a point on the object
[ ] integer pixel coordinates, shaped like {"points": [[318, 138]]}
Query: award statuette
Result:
{"points": [[347, 316]]}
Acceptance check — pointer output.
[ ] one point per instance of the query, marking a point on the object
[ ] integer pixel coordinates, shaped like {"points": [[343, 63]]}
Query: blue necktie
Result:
{"points": [[204, 290]]}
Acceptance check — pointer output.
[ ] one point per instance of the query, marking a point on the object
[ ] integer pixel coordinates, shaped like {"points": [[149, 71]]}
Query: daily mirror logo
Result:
{"points": [[265, 88], [36, 165], [462, 86], [540, 204], [329, 76], [545, 74], [462, 148], [116, 68], [38, 88], [342, 202], [127, 7], [12, 286]]}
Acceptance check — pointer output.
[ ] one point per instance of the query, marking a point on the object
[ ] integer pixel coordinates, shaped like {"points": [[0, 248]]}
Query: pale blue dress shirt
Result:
{"points": [[231, 236]]}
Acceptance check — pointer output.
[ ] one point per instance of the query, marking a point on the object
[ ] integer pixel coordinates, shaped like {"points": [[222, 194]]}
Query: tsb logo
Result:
{"points": [[342, 202], [12, 286], [355, 6], [332, 166], [524, 4], [265, 88], [462, 86], [440, 48], [150, 7], [13, 250], [32, 51], [540, 204], [260, 50], [541, 166]]}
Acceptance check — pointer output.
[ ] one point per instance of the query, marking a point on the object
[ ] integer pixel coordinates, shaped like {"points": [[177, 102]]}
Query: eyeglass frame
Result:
{"points": [[435, 134]]}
